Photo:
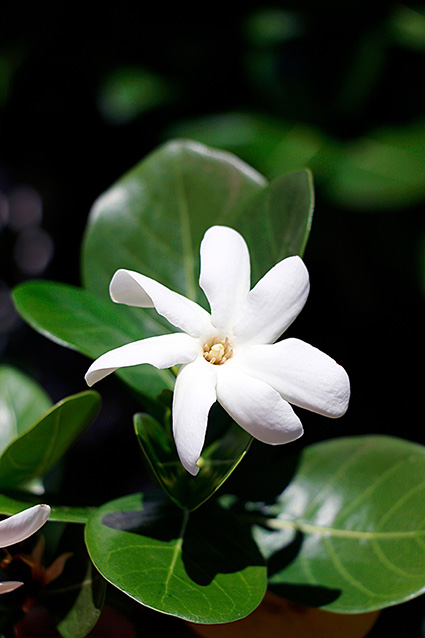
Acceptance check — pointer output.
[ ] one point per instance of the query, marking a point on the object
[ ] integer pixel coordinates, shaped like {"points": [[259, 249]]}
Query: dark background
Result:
{"points": [[85, 97]]}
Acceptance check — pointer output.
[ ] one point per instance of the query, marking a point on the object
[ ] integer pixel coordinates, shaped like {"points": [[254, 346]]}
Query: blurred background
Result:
{"points": [[337, 87]]}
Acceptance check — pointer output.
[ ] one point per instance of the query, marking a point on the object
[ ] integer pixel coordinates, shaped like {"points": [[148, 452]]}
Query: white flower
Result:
{"points": [[17, 528], [230, 355]]}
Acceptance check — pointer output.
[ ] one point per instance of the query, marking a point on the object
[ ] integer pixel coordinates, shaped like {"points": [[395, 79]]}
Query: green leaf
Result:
{"points": [[22, 403], [153, 219], [349, 530], [77, 319], [37, 449], [201, 566], [217, 462], [276, 222]]}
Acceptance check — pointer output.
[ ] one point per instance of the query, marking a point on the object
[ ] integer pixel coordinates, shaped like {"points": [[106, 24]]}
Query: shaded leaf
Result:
{"points": [[75, 599], [201, 566], [217, 462]]}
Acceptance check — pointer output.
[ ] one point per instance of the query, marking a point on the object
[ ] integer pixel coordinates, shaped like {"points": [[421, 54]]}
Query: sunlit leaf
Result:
{"points": [[348, 533], [153, 219], [201, 566]]}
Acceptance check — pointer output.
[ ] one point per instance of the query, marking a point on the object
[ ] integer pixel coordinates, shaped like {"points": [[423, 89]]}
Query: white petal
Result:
{"points": [[9, 585], [133, 289], [164, 351], [257, 407], [194, 394], [302, 374], [274, 302], [225, 274], [18, 527]]}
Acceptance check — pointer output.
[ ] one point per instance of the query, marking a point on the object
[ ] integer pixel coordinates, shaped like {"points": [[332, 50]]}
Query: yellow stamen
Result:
{"points": [[217, 351]]}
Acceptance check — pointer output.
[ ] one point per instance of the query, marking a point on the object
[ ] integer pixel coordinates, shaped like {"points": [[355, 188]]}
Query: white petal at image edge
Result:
{"points": [[9, 586], [20, 526]]}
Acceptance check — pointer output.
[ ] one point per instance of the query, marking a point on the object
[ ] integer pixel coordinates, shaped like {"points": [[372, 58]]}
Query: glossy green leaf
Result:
{"points": [[348, 533], [276, 223], [201, 566], [153, 219], [217, 462], [37, 449], [22, 403]]}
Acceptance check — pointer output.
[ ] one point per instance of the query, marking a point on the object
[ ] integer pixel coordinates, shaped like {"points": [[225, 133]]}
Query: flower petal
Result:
{"points": [[302, 374], [225, 274], [133, 289], [8, 586], [274, 302], [194, 394], [164, 351], [257, 407], [18, 527]]}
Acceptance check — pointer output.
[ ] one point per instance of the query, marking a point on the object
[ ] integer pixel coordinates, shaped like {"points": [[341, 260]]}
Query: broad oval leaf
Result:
{"points": [[37, 449], [22, 403], [349, 530], [201, 566], [153, 219], [217, 462]]}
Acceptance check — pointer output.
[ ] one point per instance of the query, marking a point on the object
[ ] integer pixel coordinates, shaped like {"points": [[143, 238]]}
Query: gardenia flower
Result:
{"points": [[230, 355], [17, 528]]}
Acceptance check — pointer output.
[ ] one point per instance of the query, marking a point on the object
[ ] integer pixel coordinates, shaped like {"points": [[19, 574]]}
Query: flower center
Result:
{"points": [[217, 351]]}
